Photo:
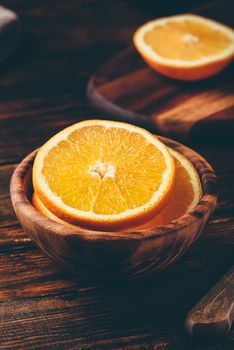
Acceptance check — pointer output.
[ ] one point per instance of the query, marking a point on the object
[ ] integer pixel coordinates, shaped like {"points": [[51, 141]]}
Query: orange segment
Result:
{"points": [[103, 174], [186, 47], [187, 191]]}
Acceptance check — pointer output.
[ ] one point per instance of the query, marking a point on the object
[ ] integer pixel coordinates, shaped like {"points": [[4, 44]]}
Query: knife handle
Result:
{"points": [[212, 317]]}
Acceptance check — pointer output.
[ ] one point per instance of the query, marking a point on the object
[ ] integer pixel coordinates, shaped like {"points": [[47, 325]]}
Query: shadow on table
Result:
{"points": [[146, 312]]}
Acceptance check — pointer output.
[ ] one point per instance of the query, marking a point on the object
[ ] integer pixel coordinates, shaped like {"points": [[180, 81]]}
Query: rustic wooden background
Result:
{"points": [[42, 90]]}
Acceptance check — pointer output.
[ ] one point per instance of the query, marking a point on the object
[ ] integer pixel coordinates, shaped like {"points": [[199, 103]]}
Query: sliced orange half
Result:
{"points": [[186, 47], [186, 193], [103, 175]]}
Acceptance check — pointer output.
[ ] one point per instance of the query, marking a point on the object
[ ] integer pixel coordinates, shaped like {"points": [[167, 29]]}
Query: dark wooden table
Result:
{"points": [[42, 90]]}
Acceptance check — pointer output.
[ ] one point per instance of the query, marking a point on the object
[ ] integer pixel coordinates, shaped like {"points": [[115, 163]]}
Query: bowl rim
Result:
{"points": [[21, 202]]}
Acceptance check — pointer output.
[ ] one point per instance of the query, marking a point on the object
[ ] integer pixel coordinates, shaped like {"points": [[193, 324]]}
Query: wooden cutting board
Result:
{"points": [[125, 88]]}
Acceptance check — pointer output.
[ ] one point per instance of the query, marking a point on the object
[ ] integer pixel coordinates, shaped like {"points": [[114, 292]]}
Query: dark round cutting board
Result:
{"points": [[126, 89]]}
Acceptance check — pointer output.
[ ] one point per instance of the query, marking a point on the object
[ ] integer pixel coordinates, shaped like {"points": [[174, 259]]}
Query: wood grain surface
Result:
{"points": [[126, 87], [42, 306]]}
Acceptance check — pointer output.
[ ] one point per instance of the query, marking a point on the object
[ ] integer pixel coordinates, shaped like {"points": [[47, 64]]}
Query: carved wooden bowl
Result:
{"points": [[129, 255]]}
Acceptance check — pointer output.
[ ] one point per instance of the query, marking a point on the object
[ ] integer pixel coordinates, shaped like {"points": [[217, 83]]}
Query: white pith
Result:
{"points": [[44, 188], [189, 38], [149, 52], [102, 170]]}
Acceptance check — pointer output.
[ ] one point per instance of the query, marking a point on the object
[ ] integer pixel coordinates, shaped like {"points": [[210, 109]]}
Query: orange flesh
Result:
{"points": [[180, 199], [97, 161], [186, 40]]}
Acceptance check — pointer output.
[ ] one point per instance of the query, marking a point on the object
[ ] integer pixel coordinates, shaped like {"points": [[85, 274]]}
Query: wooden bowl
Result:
{"points": [[114, 254]]}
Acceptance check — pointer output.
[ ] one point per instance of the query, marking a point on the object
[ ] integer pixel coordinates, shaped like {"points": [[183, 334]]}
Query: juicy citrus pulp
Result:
{"points": [[103, 174], [186, 192], [188, 39], [177, 45]]}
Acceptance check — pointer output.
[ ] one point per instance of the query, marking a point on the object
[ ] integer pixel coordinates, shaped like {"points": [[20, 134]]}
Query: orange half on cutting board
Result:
{"points": [[185, 47]]}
